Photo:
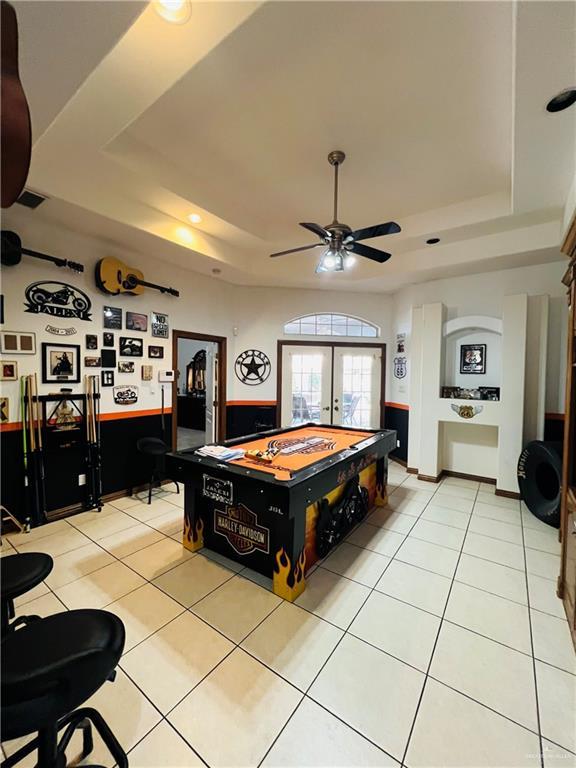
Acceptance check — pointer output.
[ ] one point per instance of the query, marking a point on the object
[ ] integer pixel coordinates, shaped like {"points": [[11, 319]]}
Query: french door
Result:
{"points": [[331, 384]]}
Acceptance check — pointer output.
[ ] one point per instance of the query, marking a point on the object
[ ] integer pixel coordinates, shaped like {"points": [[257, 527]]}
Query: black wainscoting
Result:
{"points": [[248, 418], [122, 466], [397, 418], [554, 429]]}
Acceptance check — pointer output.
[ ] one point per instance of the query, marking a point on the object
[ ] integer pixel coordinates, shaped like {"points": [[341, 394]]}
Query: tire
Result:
{"points": [[540, 478]]}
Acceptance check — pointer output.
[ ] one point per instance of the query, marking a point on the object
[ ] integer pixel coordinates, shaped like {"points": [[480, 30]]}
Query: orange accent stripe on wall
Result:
{"points": [[11, 426], [400, 406], [133, 414], [251, 402], [554, 416]]}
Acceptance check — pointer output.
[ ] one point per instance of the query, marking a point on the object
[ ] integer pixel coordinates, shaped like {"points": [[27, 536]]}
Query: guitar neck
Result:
{"points": [[161, 288], [54, 260]]}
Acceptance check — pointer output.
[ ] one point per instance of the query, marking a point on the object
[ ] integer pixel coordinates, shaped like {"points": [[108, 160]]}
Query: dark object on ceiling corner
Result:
{"points": [[432, 240], [562, 100], [340, 238], [31, 199], [16, 133]]}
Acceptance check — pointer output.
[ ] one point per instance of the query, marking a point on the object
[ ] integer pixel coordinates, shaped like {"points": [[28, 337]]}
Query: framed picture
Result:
{"points": [[126, 366], [147, 372], [136, 321], [91, 341], [4, 409], [159, 323], [107, 378], [113, 318], [92, 362], [107, 339], [473, 358], [108, 357], [156, 352], [8, 370], [18, 342], [60, 363], [130, 347]]}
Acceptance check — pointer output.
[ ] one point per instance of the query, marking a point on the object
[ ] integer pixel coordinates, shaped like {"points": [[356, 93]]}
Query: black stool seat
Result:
{"points": [[52, 666], [153, 446], [21, 573]]}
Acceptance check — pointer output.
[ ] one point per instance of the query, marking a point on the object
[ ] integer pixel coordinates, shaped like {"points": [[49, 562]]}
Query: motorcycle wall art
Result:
{"points": [[57, 300]]}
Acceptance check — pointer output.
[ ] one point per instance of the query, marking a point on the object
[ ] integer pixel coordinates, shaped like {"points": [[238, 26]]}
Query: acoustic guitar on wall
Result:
{"points": [[113, 276]]}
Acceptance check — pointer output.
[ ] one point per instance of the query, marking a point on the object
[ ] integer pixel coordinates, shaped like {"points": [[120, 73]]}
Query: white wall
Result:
{"points": [[483, 295]]}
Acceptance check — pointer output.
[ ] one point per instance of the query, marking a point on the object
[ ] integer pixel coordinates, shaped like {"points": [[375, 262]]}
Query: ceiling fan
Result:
{"points": [[339, 239]]}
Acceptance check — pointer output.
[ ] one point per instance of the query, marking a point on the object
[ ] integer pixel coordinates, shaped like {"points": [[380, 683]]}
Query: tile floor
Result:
{"points": [[431, 637]]}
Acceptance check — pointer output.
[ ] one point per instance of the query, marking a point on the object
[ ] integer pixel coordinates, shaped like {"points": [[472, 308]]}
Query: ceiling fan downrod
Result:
{"points": [[336, 158]]}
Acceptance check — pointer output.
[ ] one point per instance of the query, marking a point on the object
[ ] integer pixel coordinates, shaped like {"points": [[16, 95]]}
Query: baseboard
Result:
{"points": [[412, 470], [507, 494], [464, 476], [430, 478], [397, 460]]}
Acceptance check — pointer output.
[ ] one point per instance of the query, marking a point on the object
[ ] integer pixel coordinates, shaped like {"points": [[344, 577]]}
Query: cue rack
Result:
{"points": [[61, 442]]}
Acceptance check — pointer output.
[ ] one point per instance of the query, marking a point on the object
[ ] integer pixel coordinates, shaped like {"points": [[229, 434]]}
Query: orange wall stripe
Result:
{"points": [[251, 402], [11, 426], [554, 416], [133, 414], [400, 406]]}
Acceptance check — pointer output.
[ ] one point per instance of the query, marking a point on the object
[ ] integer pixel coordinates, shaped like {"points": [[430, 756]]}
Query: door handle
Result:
{"points": [[336, 408]]}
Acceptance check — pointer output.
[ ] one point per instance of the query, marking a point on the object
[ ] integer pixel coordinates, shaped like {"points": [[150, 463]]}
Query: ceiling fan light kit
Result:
{"points": [[340, 240]]}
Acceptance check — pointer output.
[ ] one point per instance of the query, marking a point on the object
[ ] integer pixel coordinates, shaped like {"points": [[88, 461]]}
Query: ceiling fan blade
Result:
{"points": [[317, 229], [389, 228], [370, 253], [294, 250]]}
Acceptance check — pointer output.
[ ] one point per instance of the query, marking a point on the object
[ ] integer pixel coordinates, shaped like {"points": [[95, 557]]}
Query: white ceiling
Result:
{"points": [[438, 105]]}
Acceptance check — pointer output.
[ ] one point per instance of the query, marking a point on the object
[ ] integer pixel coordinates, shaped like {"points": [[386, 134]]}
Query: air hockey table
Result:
{"points": [[279, 518]]}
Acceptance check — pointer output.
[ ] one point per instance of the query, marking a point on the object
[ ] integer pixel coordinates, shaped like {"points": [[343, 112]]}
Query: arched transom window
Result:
{"points": [[332, 324]]}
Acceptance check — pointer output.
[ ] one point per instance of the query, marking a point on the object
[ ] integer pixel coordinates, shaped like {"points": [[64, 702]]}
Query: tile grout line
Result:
{"points": [[427, 674], [537, 701]]}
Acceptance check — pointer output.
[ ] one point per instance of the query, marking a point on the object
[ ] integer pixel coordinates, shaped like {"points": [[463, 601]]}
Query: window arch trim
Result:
{"points": [[322, 324]]}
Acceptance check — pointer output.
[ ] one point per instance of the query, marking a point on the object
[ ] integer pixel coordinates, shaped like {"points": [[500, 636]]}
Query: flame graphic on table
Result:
{"points": [[194, 535], [289, 581]]}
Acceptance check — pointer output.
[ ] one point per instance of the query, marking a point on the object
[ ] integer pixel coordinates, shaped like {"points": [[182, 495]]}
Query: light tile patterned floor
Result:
{"points": [[431, 637]]}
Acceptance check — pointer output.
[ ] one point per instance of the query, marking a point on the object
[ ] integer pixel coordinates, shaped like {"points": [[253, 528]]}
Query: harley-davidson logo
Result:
{"points": [[240, 527], [288, 446]]}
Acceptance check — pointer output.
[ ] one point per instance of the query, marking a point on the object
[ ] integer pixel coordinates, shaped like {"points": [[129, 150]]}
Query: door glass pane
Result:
{"points": [[306, 388], [357, 390]]}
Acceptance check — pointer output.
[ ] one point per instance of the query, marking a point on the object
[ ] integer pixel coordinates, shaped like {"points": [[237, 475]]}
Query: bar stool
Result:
{"points": [[49, 668], [156, 449], [20, 573]]}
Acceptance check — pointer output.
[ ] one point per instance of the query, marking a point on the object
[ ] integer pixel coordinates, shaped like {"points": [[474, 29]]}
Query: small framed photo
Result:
{"points": [[126, 366], [113, 318], [17, 342], [107, 339], [107, 378], [136, 321], [92, 362], [156, 352], [60, 363], [91, 341], [8, 370], [108, 357], [130, 347], [147, 372], [473, 358], [159, 323]]}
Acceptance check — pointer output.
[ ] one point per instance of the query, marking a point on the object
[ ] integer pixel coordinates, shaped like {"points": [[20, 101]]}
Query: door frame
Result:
{"points": [[221, 341], [332, 344]]}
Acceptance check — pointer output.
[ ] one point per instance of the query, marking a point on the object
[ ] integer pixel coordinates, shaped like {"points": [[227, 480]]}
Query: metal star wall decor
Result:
{"points": [[252, 367]]}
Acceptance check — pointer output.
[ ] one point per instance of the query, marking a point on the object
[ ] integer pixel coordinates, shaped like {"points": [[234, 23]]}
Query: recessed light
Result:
{"points": [[562, 100], [432, 241], [195, 218], [174, 11]]}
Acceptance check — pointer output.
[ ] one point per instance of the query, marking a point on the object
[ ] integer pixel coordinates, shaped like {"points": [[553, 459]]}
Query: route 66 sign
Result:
{"points": [[399, 367]]}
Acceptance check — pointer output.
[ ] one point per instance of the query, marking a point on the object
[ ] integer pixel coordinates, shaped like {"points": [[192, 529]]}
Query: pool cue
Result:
{"points": [[97, 457], [89, 463], [32, 458], [39, 451]]}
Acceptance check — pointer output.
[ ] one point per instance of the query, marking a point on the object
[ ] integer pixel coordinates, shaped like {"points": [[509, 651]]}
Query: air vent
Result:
{"points": [[30, 199]]}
